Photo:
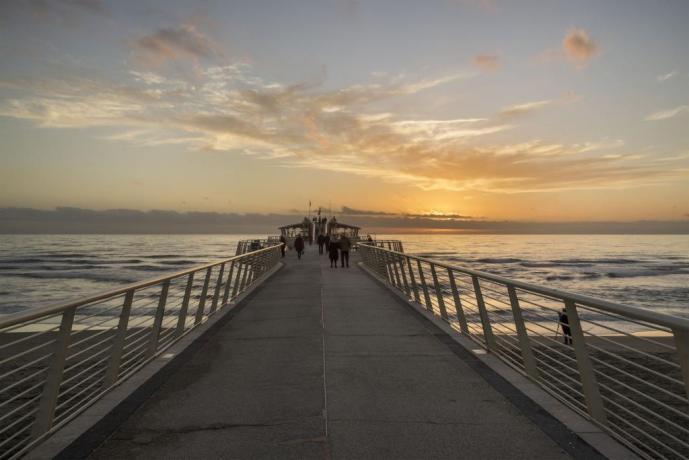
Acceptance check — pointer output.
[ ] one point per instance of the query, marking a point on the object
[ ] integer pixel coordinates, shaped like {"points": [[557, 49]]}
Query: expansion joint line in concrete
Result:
{"points": [[325, 382]]}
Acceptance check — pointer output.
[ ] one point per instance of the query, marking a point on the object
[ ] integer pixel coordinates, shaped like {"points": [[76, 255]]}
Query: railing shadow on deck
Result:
{"points": [[625, 368], [58, 360]]}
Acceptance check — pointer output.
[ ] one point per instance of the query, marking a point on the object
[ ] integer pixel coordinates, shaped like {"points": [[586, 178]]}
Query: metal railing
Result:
{"points": [[245, 246], [58, 360], [625, 368], [393, 245]]}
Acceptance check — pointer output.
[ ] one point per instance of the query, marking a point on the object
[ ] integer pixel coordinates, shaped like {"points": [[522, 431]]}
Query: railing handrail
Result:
{"points": [[38, 312], [662, 319]]}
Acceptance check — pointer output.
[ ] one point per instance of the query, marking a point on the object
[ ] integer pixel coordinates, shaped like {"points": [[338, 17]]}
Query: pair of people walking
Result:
{"points": [[339, 250]]}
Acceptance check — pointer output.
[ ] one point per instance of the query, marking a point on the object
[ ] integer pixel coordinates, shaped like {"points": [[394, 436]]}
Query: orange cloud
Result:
{"points": [[487, 62], [578, 46]]}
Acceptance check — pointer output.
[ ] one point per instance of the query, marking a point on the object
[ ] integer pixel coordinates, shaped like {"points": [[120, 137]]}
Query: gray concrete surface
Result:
{"points": [[326, 363]]}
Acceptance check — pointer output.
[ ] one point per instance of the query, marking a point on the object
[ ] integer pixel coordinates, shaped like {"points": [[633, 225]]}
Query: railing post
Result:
{"points": [[438, 293], [380, 262], [485, 319], [412, 279], [524, 343], [393, 263], [218, 284], [235, 288], [226, 294], [682, 344], [158, 321], [424, 286], [401, 259], [182, 319], [45, 412], [202, 300], [589, 383], [389, 275], [117, 347], [247, 265], [459, 310]]}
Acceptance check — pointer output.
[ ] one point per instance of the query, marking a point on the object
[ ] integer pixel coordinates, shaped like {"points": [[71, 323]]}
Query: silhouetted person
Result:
{"points": [[299, 246], [369, 239], [564, 322], [327, 242], [321, 243], [284, 245], [333, 248], [345, 246]]}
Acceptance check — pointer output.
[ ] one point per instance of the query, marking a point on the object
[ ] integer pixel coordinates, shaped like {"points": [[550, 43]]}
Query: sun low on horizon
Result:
{"points": [[458, 109]]}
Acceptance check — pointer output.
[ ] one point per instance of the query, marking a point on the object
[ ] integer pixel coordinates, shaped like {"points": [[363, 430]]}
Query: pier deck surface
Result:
{"points": [[326, 363]]}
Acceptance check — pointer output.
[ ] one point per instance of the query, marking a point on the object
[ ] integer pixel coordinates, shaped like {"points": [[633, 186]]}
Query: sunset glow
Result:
{"points": [[525, 111]]}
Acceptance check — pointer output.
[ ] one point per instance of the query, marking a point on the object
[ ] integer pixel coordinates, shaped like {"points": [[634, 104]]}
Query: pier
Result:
{"points": [[326, 363], [258, 356]]}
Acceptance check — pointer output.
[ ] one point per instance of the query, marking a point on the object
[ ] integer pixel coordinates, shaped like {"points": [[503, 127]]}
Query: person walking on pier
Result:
{"points": [[321, 243], [333, 248], [345, 246], [299, 246], [284, 245]]}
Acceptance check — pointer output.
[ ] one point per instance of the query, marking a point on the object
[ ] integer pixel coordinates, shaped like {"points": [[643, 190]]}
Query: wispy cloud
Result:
{"points": [[173, 43], [667, 114], [524, 108], [486, 62], [667, 76], [230, 108]]}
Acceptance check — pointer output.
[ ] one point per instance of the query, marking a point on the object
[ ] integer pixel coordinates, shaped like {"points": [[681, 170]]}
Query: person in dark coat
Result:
{"points": [[345, 246], [333, 249], [284, 245], [327, 242], [299, 246], [564, 322], [321, 243]]}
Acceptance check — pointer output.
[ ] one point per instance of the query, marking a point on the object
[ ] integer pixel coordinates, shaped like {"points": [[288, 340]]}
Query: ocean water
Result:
{"points": [[649, 271]]}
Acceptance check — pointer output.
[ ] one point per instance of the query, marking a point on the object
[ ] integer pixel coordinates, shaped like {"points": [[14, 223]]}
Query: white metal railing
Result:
{"points": [[625, 368], [245, 246], [56, 361]]}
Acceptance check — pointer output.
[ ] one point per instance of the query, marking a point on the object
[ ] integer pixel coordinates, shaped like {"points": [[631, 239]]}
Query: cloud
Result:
{"points": [[667, 76], [535, 106], [131, 221], [431, 215], [487, 62], [578, 46], [304, 125], [174, 43], [666, 114], [524, 108], [362, 212]]}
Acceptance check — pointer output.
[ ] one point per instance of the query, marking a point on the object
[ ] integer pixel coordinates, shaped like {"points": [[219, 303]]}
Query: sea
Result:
{"points": [[647, 271]]}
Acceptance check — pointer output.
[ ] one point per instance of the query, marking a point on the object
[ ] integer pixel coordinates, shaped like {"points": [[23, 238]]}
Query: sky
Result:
{"points": [[453, 111]]}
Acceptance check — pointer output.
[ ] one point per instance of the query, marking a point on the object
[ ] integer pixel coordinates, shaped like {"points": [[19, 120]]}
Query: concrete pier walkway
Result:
{"points": [[326, 363]]}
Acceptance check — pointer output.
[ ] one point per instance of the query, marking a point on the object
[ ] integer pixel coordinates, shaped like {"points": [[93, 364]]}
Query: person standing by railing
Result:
{"points": [[564, 322], [299, 246], [345, 246]]}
